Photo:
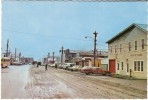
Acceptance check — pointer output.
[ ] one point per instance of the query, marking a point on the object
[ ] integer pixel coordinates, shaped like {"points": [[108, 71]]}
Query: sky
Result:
{"points": [[37, 28]]}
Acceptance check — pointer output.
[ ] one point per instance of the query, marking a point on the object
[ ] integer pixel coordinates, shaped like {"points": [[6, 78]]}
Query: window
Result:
{"points": [[135, 66], [138, 65], [118, 67], [115, 48], [127, 67], [122, 65], [141, 65], [135, 45], [111, 49], [129, 46], [142, 43], [120, 47]]}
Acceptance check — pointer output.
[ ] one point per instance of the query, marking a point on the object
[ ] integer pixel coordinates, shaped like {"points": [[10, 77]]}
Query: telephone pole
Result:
{"points": [[95, 40], [48, 57], [15, 53], [53, 57], [62, 52], [7, 54]]}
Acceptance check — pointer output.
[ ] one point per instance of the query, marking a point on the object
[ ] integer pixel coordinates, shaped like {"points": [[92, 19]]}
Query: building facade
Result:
{"points": [[85, 58], [128, 51]]}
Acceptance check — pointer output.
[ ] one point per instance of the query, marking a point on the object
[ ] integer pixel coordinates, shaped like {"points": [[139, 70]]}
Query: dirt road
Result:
{"points": [[59, 83]]}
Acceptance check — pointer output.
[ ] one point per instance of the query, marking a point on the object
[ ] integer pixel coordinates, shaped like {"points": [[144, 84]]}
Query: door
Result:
{"points": [[112, 66]]}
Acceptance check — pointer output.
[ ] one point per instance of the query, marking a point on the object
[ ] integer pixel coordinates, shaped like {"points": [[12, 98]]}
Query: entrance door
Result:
{"points": [[112, 66]]}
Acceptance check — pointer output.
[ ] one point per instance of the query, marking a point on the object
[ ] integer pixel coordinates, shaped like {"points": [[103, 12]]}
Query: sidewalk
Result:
{"points": [[137, 84]]}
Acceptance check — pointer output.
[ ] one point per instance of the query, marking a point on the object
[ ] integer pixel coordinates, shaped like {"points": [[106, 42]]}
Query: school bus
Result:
{"points": [[5, 62]]}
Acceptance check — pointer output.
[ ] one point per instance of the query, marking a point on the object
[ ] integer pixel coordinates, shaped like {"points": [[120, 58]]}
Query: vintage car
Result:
{"points": [[75, 68], [67, 65], [95, 70], [86, 70]]}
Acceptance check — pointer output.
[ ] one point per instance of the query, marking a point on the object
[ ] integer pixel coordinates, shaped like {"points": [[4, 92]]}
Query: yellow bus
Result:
{"points": [[5, 62]]}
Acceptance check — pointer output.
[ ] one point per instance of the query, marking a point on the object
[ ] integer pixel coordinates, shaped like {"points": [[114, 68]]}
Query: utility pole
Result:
{"points": [[48, 57], [95, 40], [53, 57], [62, 52], [15, 53], [7, 48]]}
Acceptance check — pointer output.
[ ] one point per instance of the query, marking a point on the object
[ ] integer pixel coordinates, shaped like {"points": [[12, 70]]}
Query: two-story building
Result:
{"points": [[128, 51]]}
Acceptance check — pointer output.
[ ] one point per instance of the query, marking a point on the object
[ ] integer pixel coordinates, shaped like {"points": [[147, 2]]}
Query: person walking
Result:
{"points": [[37, 64], [45, 67]]}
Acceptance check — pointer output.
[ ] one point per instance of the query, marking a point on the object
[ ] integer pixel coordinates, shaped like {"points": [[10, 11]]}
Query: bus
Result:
{"points": [[5, 62]]}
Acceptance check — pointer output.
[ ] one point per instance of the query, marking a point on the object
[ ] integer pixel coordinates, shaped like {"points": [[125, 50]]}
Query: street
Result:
{"points": [[28, 81], [13, 81]]}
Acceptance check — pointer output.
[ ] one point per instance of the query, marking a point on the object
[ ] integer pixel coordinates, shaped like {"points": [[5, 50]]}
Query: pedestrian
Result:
{"points": [[45, 67], [37, 64]]}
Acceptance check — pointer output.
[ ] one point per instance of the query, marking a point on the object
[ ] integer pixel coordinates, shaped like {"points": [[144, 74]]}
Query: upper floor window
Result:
{"points": [[115, 48], [129, 46], [135, 45], [111, 49], [120, 47], [142, 43]]}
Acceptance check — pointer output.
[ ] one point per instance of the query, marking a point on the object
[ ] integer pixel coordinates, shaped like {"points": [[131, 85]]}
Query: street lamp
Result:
{"points": [[95, 40]]}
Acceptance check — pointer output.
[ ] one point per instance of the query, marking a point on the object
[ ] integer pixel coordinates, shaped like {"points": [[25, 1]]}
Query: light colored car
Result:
{"points": [[67, 65], [60, 66], [52, 65], [75, 68]]}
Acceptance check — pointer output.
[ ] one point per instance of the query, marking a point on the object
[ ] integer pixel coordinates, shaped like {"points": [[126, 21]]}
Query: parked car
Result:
{"points": [[86, 69], [60, 66], [52, 65], [39, 63], [67, 65], [95, 70], [75, 68]]}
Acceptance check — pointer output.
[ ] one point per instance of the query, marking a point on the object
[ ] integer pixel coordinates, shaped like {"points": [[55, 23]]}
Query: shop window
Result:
{"points": [[118, 66], [138, 65], [122, 65], [127, 67]]}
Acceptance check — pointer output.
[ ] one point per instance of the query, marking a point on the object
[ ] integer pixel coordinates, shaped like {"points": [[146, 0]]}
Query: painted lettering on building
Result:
{"points": [[132, 55]]}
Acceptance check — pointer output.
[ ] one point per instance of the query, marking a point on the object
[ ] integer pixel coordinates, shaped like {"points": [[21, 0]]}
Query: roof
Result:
{"points": [[143, 27]]}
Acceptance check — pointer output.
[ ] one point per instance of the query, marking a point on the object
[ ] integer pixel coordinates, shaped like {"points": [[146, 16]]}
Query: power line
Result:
{"points": [[50, 36]]}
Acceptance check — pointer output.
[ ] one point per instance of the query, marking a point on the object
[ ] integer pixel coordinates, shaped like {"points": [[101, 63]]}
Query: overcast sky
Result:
{"points": [[36, 28]]}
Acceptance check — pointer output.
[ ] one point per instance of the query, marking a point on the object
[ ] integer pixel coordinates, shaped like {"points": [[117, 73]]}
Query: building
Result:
{"points": [[128, 51], [85, 58], [49, 60], [25, 60], [70, 55]]}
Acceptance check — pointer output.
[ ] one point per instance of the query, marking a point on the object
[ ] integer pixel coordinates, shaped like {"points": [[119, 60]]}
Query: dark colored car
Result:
{"points": [[39, 63], [95, 70], [87, 70]]}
